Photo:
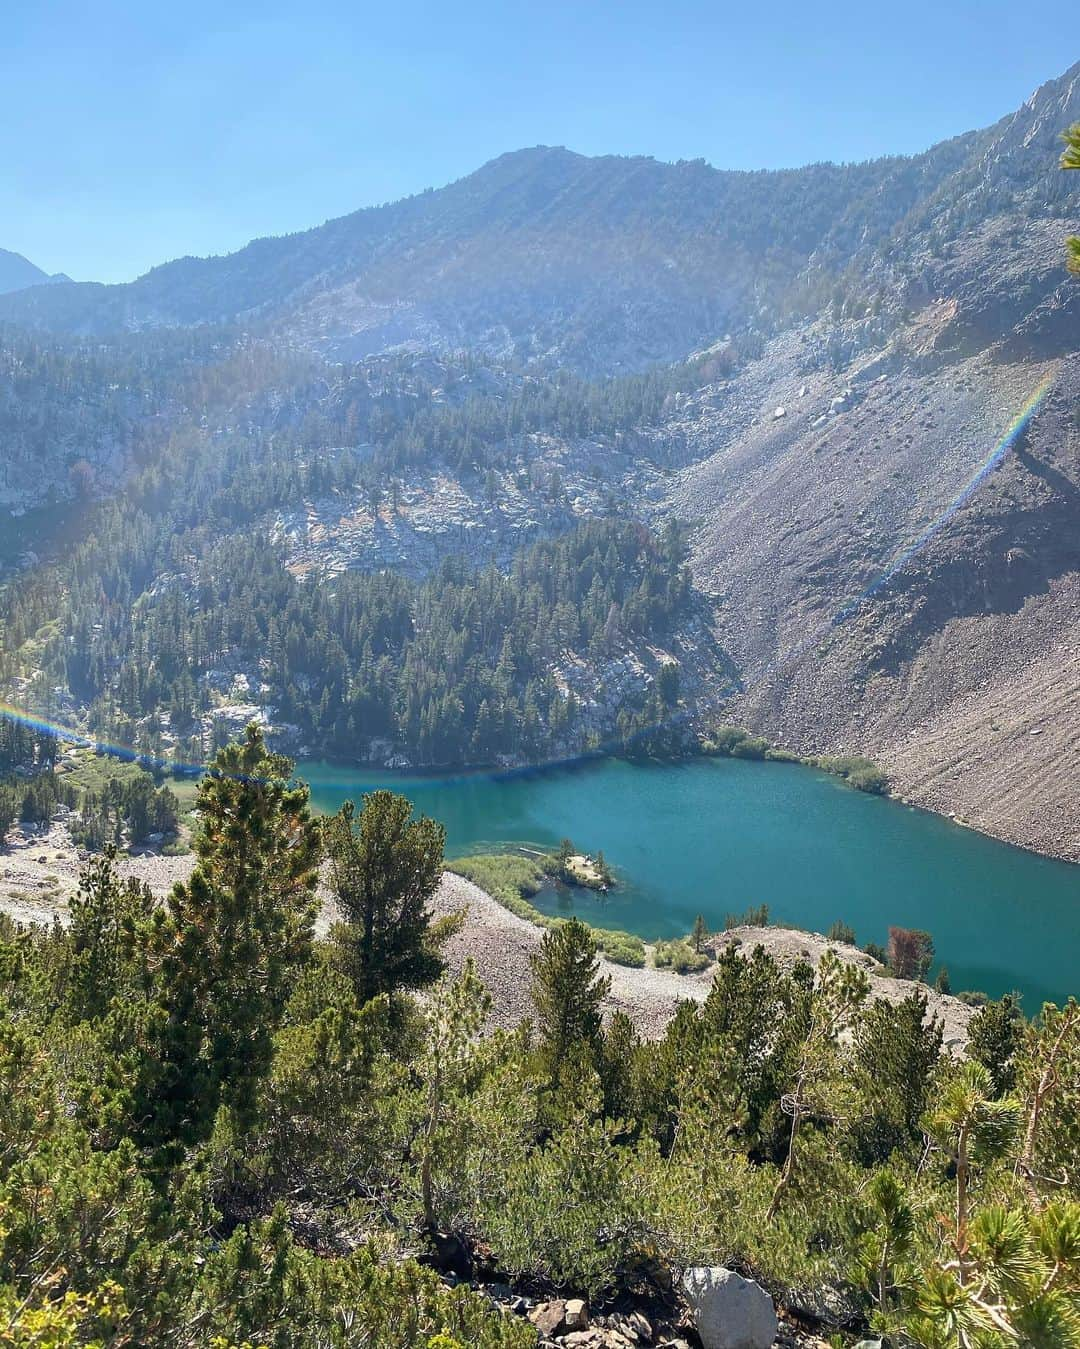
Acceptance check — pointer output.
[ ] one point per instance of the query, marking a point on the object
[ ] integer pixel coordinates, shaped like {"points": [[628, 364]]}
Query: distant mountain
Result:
{"points": [[599, 263], [18, 273]]}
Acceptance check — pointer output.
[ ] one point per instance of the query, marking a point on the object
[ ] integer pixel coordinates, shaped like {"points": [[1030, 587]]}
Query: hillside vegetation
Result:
{"points": [[219, 1129]]}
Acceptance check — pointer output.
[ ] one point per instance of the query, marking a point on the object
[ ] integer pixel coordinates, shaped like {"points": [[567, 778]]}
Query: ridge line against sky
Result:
{"points": [[135, 134]]}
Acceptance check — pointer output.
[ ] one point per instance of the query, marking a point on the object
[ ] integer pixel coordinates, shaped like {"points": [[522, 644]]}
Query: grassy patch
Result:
{"points": [[733, 742], [93, 772], [90, 773], [512, 880]]}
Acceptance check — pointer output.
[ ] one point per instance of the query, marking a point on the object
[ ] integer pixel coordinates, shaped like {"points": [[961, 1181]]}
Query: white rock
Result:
{"points": [[780, 412], [730, 1312], [577, 1318]]}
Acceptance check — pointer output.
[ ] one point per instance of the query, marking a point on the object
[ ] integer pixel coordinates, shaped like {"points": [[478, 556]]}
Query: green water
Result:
{"points": [[714, 836]]}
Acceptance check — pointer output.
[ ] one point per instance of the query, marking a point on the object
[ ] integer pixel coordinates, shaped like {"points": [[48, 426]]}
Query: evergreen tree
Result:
{"points": [[567, 991], [385, 869], [1071, 160], [995, 1036], [896, 1050], [227, 946], [109, 922]]}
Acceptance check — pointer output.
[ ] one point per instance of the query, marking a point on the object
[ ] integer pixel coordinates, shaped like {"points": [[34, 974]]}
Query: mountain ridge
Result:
{"points": [[19, 273], [682, 248]]}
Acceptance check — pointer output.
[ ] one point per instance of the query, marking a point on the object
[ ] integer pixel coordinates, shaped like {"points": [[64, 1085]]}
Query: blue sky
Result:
{"points": [[134, 133]]}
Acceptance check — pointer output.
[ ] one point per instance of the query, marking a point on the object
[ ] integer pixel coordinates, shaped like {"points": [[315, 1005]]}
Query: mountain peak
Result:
{"points": [[19, 273]]}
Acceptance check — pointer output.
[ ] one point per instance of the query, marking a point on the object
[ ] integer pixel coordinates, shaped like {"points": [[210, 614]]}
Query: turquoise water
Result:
{"points": [[714, 836]]}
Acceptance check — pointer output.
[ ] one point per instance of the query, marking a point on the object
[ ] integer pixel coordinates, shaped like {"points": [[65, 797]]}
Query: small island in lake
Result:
{"points": [[582, 869]]}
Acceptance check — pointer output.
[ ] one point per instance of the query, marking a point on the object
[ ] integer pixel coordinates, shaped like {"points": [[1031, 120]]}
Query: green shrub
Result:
{"points": [[622, 948], [840, 931], [724, 740], [973, 997], [856, 771], [751, 747], [507, 877], [680, 956]]}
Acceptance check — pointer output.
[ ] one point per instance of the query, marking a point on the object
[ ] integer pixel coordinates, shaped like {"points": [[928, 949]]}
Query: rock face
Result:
{"points": [[549, 1317], [577, 1317], [730, 1312]]}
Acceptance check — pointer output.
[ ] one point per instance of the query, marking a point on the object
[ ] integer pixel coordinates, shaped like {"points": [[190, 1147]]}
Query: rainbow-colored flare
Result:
{"points": [[1013, 432]]}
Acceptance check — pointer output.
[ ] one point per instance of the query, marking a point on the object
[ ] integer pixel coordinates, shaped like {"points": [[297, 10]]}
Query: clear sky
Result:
{"points": [[133, 131]]}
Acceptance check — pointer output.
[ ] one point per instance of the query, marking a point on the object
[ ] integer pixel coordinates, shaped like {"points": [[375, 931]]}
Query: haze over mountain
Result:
{"points": [[847, 345], [17, 273], [598, 263]]}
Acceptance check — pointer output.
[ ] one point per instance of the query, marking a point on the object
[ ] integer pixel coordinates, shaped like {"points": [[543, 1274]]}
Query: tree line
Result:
{"points": [[456, 668]]}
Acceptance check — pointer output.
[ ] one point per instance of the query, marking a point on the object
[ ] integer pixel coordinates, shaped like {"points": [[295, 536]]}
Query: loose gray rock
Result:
{"points": [[730, 1312]]}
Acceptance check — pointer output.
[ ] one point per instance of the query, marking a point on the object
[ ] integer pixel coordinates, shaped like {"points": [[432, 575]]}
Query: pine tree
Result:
{"points": [[911, 953], [1071, 160], [699, 933], [228, 945], [567, 991], [109, 921], [839, 990], [385, 869], [995, 1035]]}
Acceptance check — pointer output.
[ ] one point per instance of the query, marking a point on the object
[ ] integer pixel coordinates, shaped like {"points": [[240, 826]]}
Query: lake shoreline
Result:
{"points": [[499, 774], [500, 943]]}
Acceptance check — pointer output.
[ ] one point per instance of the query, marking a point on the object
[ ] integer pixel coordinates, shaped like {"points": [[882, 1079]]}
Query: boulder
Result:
{"points": [[730, 1312], [577, 1318], [549, 1317], [830, 1305], [641, 1326]]}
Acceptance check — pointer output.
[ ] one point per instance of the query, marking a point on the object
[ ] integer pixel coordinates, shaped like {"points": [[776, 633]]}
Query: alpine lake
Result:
{"points": [[716, 836]]}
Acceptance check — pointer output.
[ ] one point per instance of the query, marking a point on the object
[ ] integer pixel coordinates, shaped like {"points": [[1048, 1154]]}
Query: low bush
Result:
{"points": [[680, 956], [622, 948], [856, 771], [777, 754]]}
